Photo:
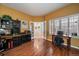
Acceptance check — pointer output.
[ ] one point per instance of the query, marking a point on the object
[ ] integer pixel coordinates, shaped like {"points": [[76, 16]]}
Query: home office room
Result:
{"points": [[39, 29]]}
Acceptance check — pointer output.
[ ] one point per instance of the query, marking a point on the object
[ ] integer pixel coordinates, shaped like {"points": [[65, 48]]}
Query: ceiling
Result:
{"points": [[36, 9]]}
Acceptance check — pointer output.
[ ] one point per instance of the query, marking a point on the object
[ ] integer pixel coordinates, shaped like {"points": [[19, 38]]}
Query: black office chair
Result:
{"points": [[58, 40]]}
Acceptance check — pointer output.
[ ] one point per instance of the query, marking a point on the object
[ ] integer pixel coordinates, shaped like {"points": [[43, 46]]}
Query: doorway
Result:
{"points": [[38, 30]]}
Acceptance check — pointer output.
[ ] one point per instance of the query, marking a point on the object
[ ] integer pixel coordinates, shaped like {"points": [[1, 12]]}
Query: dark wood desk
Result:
{"points": [[11, 38], [68, 41]]}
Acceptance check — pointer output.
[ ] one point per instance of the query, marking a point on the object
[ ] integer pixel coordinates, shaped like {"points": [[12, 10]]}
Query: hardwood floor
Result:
{"points": [[40, 47]]}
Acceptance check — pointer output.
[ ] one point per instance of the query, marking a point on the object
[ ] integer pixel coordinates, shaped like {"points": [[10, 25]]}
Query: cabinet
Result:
{"points": [[10, 26], [6, 25], [16, 27]]}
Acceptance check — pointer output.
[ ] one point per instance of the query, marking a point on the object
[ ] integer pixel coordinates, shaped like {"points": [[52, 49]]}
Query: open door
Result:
{"points": [[38, 30]]}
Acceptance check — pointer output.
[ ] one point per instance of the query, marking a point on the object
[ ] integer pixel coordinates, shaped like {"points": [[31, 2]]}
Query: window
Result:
{"points": [[73, 25], [68, 24], [56, 26], [64, 25]]}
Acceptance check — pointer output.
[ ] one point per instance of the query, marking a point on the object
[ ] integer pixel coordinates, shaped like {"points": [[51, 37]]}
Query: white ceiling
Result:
{"points": [[36, 9]]}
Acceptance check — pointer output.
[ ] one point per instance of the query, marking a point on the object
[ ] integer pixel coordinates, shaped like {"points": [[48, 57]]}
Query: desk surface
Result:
{"points": [[11, 36]]}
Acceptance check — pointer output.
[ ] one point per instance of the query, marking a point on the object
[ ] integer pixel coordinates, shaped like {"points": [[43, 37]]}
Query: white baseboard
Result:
{"points": [[73, 46]]}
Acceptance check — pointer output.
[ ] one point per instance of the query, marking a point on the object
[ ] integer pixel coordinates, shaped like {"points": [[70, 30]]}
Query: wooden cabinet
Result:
{"points": [[16, 27]]}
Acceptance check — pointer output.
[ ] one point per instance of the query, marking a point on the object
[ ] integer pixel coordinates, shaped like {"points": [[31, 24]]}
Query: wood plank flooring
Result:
{"points": [[40, 47]]}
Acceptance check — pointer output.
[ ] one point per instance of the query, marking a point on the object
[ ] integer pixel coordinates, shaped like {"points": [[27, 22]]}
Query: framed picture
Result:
{"points": [[24, 24]]}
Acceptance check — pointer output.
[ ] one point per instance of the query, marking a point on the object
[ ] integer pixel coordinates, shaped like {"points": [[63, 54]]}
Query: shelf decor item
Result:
{"points": [[24, 25], [6, 17], [6, 23]]}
